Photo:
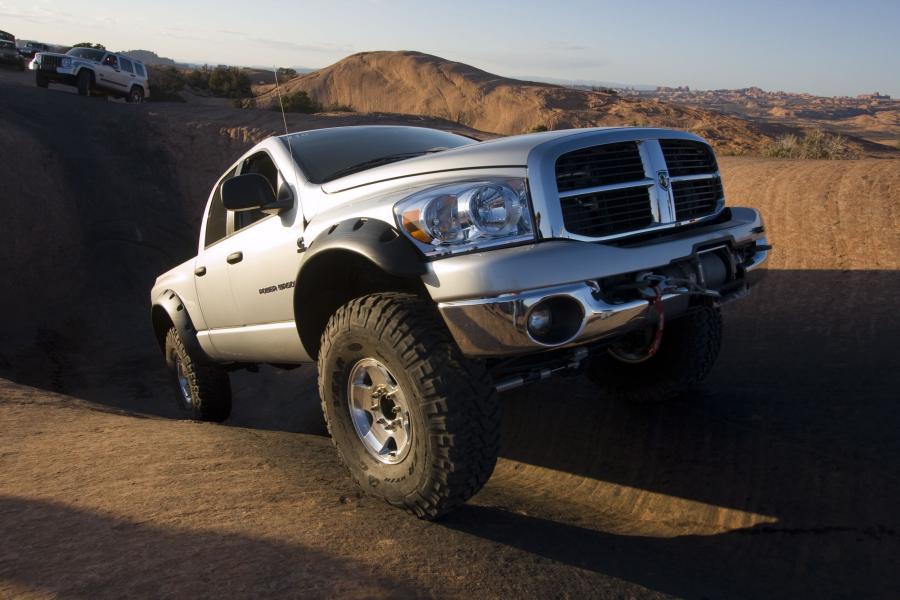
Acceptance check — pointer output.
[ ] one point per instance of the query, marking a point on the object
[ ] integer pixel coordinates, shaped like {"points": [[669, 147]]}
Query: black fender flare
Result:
{"points": [[372, 239], [169, 304], [376, 242]]}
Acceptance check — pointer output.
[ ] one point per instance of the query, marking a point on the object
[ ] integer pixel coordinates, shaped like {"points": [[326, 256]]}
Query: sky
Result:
{"points": [[827, 47]]}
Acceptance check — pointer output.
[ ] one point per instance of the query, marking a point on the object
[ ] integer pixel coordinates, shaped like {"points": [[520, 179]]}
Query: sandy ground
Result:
{"points": [[778, 479]]}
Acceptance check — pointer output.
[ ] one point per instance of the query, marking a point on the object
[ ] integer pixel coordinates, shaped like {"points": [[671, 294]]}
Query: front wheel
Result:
{"points": [[201, 390], [414, 421], [85, 83], [688, 351]]}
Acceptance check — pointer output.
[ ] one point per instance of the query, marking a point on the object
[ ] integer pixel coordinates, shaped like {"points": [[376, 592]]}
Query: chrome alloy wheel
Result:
{"points": [[379, 411], [184, 384]]}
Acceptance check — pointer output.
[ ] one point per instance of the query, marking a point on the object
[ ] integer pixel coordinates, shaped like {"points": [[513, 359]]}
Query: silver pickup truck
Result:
{"points": [[425, 272]]}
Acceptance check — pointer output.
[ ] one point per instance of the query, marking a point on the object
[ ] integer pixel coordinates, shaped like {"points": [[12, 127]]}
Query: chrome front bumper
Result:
{"points": [[497, 326]]}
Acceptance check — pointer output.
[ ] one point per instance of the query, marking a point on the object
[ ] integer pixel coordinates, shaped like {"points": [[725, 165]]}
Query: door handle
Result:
{"points": [[235, 257], [200, 271]]}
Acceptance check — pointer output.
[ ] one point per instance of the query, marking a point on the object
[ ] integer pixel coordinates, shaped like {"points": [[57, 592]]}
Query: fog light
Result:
{"points": [[540, 321], [555, 320]]}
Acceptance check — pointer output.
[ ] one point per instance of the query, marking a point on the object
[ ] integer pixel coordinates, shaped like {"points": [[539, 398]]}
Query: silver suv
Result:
{"points": [[424, 272], [94, 72]]}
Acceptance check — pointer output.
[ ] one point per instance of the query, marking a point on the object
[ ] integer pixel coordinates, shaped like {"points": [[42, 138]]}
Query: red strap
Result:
{"points": [[657, 304]]}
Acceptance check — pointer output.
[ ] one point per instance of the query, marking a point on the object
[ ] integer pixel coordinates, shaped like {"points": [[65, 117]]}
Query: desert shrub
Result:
{"points": [[299, 102], [538, 129], [285, 74], [244, 103], [338, 108], [814, 143], [89, 45], [229, 82], [220, 81], [166, 84]]}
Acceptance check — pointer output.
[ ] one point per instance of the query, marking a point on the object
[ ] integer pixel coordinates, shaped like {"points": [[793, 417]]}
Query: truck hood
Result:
{"points": [[501, 152]]}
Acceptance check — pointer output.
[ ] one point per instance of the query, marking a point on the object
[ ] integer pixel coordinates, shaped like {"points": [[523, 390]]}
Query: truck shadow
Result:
{"points": [[88, 554], [797, 423]]}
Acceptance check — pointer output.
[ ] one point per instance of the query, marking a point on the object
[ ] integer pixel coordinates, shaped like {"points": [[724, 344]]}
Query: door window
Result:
{"points": [[139, 69], [217, 218], [111, 61], [126, 65]]}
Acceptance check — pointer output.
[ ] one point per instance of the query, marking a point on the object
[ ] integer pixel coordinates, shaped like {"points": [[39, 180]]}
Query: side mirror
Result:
{"points": [[248, 192]]}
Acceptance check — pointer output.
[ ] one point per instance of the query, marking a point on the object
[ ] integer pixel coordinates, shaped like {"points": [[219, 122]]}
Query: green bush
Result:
{"points": [[338, 108], [166, 83], [285, 74], [220, 81], [299, 102], [813, 144], [229, 82]]}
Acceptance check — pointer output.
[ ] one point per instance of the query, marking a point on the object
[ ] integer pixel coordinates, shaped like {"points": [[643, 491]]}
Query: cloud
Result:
{"points": [[567, 46], [287, 46]]}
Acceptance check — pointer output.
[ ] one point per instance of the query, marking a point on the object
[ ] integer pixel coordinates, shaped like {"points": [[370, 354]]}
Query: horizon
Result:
{"points": [[778, 48]]}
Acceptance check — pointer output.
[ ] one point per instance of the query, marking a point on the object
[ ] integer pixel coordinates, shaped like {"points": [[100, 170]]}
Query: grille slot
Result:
{"points": [[49, 63], [608, 213], [697, 197], [686, 157], [599, 165]]}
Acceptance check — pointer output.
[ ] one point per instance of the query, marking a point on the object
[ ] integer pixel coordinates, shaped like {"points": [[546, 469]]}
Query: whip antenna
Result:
{"points": [[280, 101], [288, 135]]}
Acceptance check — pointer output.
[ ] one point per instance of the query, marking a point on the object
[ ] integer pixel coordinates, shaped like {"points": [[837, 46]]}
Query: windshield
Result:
{"points": [[88, 53], [327, 154]]}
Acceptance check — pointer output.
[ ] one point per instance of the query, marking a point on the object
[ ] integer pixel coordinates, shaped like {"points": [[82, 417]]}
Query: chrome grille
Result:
{"points": [[599, 165], [624, 187], [49, 63], [608, 212], [686, 157], [696, 197]]}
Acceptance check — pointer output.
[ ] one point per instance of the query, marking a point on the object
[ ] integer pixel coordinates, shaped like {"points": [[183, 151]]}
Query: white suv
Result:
{"points": [[94, 72]]}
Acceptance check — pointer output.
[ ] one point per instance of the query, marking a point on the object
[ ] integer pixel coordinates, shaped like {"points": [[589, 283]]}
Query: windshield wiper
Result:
{"points": [[377, 162]]}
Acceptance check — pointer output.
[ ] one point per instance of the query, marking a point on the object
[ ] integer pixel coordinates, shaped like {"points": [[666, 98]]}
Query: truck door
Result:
{"points": [[211, 270], [262, 282], [109, 75]]}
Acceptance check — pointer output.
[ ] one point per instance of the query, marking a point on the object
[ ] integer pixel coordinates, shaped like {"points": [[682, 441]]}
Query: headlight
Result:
{"points": [[464, 216], [66, 62]]}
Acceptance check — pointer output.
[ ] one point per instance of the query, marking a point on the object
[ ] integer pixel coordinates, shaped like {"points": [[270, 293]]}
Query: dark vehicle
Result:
{"points": [[29, 49], [9, 55]]}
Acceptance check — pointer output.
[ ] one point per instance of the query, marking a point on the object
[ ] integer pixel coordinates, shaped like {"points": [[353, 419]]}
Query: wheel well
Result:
{"points": [[330, 280], [85, 70], [161, 325]]}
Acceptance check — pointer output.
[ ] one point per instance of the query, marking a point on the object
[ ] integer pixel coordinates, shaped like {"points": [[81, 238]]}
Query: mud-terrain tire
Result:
{"points": [[689, 349], [85, 81], [135, 95], [208, 385], [448, 402], [41, 80]]}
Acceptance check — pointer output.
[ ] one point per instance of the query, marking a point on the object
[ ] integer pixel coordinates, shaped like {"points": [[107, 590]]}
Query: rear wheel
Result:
{"points": [[85, 82], [200, 389], [41, 80], [687, 353], [414, 421], [135, 96]]}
